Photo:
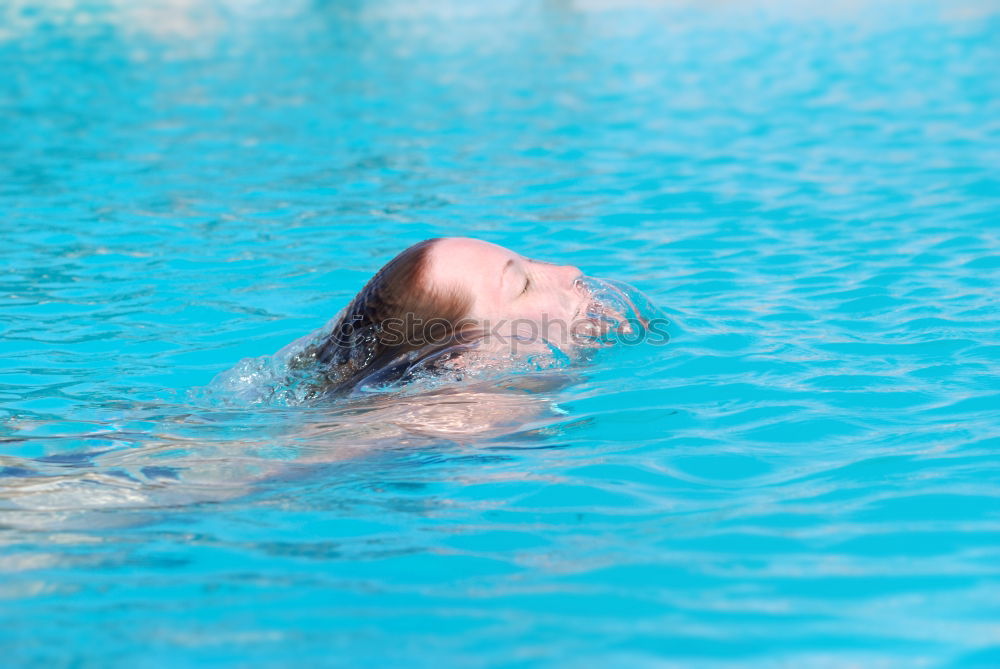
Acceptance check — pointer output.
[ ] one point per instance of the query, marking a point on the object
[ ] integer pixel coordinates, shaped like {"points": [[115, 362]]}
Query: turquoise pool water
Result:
{"points": [[808, 474]]}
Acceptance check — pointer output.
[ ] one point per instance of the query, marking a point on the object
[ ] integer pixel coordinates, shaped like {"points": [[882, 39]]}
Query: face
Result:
{"points": [[512, 295]]}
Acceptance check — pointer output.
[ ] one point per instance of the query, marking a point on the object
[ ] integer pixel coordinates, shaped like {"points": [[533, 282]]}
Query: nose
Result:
{"points": [[568, 274]]}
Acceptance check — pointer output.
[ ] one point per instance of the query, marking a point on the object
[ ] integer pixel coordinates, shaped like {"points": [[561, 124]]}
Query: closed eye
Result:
{"points": [[527, 282]]}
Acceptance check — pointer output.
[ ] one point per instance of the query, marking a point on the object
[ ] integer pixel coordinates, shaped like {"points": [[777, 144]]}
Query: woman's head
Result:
{"points": [[440, 293], [508, 294]]}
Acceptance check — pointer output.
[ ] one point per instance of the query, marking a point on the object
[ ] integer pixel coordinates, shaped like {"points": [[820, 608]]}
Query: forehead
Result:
{"points": [[453, 253], [466, 246], [470, 263]]}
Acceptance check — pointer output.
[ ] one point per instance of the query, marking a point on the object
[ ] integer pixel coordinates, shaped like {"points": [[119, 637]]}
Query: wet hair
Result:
{"points": [[396, 321]]}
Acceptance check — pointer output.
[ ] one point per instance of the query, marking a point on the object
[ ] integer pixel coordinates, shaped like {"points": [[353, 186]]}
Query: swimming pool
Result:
{"points": [[807, 474]]}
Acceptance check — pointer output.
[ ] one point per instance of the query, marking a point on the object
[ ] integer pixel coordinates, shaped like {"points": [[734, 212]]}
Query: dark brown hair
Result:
{"points": [[395, 321]]}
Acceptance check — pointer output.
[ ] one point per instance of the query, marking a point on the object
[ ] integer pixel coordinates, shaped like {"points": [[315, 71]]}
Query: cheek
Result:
{"points": [[542, 306], [532, 307], [490, 305]]}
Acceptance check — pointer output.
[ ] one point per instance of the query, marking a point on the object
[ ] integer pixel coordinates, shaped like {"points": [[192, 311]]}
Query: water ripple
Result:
{"points": [[807, 474]]}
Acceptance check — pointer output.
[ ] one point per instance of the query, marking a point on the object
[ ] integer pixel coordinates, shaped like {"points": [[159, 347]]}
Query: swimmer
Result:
{"points": [[443, 298], [441, 309]]}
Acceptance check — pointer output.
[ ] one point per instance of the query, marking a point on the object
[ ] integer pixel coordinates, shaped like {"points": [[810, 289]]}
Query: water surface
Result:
{"points": [[806, 475]]}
